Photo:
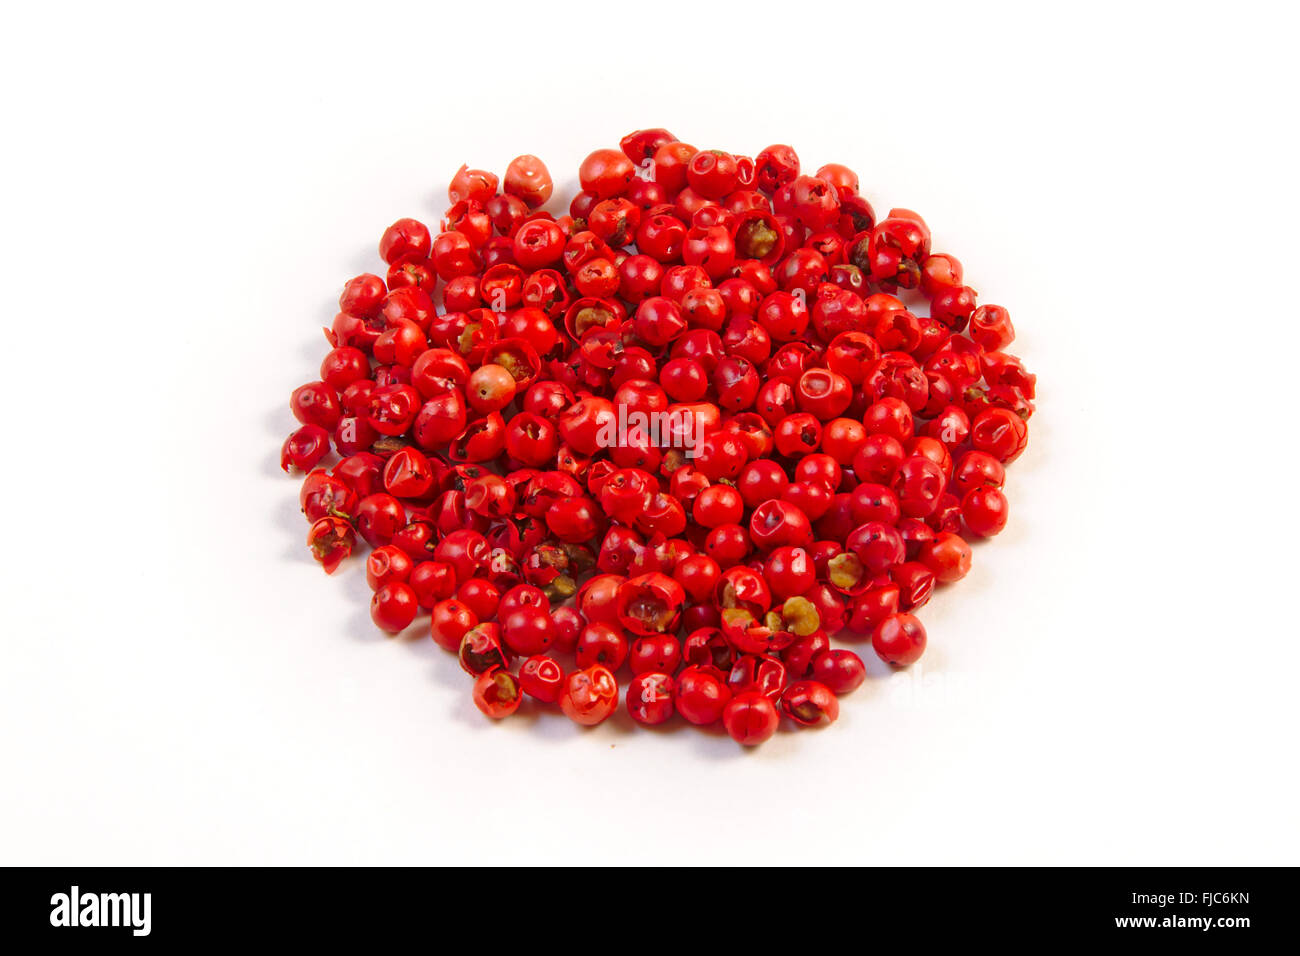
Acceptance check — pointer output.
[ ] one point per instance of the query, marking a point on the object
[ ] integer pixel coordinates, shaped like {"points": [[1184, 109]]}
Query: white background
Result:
{"points": [[185, 192]]}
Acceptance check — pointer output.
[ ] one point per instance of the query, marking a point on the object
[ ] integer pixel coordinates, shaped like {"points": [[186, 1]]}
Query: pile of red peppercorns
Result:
{"points": [[797, 446]]}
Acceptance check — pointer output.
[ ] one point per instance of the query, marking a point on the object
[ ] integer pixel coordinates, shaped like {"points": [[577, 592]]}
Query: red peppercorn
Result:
{"points": [[839, 669], [601, 644], [658, 654], [387, 565], [1001, 433], [984, 510], [899, 639], [497, 693], [750, 718], [542, 678], [481, 650], [479, 595], [948, 556], [450, 621], [606, 173], [304, 449], [695, 414], [393, 607], [331, 540], [528, 179], [432, 581], [650, 604], [589, 695], [809, 703], [702, 695], [650, 698]]}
